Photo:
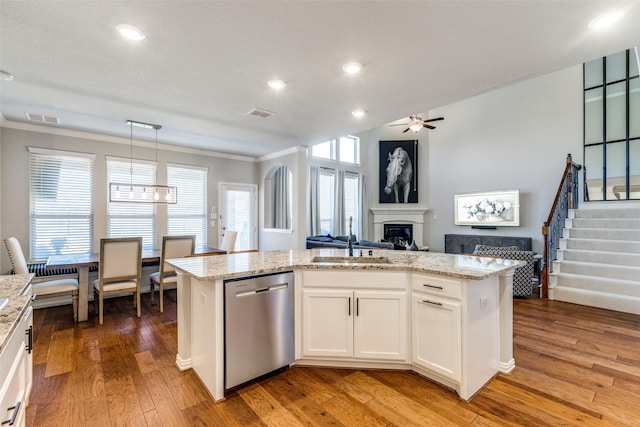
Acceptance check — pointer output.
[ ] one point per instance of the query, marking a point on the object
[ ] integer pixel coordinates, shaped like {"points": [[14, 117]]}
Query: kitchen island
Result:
{"points": [[447, 317]]}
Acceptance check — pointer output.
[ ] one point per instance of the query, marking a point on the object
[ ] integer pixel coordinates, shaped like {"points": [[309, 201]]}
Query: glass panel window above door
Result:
{"points": [[593, 73], [593, 116], [634, 108], [616, 111], [616, 67]]}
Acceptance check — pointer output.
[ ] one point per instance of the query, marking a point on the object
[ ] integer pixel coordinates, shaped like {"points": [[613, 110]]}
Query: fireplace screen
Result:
{"points": [[399, 234]]}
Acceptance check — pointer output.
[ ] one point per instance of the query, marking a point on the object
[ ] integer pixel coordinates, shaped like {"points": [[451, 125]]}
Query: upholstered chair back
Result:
{"points": [[120, 258], [176, 247], [229, 241], [523, 275], [16, 256]]}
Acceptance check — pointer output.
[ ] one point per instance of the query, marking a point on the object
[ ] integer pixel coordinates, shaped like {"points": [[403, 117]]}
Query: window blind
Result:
{"points": [[126, 219], [189, 215], [61, 203]]}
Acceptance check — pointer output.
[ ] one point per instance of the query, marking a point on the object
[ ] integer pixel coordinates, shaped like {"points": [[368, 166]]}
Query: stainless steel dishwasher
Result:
{"points": [[258, 326]]}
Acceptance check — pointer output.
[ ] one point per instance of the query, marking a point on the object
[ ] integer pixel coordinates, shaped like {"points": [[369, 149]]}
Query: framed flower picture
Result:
{"points": [[494, 208]]}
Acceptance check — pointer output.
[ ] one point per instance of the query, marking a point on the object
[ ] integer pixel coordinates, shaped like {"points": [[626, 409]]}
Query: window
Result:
{"points": [[335, 191], [349, 150], [612, 127], [132, 219], [326, 198], [351, 201], [345, 149], [61, 203], [189, 215]]}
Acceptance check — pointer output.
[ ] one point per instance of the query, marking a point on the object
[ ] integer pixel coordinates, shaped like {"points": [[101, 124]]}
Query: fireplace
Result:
{"points": [[402, 216], [398, 234]]}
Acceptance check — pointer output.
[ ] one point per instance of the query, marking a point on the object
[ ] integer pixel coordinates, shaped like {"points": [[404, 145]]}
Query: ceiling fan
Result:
{"points": [[416, 123]]}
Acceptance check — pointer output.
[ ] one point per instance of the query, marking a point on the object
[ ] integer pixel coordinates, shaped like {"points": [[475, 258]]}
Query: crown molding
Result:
{"points": [[30, 127], [281, 153]]}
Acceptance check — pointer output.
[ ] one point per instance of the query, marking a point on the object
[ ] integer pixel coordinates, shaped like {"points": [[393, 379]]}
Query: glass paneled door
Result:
{"points": [[238, 212]]}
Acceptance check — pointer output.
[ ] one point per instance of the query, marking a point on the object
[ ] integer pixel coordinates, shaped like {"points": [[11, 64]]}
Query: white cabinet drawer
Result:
{"points": [[12, 403], [436, 285]]}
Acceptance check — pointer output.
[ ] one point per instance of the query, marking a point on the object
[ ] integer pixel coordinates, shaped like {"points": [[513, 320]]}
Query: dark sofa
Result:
{"points": [[328, 241]]}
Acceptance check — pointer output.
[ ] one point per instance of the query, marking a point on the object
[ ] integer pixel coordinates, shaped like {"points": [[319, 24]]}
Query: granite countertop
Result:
{"points": [[12, 287], [254, 263]]}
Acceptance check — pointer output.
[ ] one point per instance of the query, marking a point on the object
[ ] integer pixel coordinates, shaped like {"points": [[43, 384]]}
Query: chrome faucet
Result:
{"points": [[350, 240]]}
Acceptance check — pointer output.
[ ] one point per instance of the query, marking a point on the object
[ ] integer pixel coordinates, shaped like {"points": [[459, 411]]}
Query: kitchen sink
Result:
{"points": [[3, 302], [352, 259]]}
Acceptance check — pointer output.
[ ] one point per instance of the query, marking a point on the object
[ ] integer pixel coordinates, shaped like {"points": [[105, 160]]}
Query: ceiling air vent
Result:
{"points": [[40, 118], [259, 112]]}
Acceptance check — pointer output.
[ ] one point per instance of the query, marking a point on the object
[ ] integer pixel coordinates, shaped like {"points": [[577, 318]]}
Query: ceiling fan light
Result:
{"points": [[415, 127], [352, 67]]}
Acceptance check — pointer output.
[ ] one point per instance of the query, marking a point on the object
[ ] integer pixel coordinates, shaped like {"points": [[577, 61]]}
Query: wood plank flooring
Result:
{"points": [[575, 366]]}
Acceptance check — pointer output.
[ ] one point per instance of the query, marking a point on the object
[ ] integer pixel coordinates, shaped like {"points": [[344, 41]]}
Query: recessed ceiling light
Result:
{"points": [[277, 84], [352, 67], [130, 32], [358, 113], [6, 76], [606, 20]]}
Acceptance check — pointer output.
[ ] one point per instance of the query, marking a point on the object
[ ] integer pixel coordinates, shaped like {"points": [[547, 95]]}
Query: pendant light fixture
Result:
{"points": [[140, 193]]}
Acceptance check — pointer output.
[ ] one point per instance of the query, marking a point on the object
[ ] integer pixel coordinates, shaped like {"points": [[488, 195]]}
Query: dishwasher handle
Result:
{"points": [[271, 288]]}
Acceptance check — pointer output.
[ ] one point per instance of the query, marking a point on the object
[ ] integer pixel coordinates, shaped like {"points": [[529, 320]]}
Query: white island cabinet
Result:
{"points": [[445, 316], [347, 315], [16, 339]]}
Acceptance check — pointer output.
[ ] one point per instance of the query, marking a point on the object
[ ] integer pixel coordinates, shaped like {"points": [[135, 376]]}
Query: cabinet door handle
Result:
{"points": [[14, 415], [426, 285], [357, 307], [426, 301], [349, 306], [29, 333]]}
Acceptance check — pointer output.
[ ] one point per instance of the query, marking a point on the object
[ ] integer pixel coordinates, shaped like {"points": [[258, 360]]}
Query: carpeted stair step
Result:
{"points": [[627, 246], [605, 223], [597, 270], [620, 212], [602, 257], [598, 284], [592, 233]]}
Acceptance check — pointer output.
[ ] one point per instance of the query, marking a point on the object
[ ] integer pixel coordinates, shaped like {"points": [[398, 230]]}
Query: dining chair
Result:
{"points": [[45, 288], [172, 247], [119, 271], [229, 241]]}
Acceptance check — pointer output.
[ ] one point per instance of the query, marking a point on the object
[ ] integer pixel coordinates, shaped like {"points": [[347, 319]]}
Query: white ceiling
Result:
{"points": [[205, 64]]}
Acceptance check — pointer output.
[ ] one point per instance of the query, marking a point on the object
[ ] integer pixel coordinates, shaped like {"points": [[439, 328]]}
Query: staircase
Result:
{"points": [[599, 257]]}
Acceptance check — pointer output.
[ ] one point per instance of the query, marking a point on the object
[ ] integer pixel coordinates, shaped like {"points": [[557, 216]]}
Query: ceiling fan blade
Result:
{"points": [[433, 120], [405, 130], [429, 126], [400, 124]]}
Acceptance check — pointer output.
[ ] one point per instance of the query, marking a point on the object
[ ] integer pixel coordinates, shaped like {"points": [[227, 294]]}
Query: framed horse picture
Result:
{"points": [[399, 171]]}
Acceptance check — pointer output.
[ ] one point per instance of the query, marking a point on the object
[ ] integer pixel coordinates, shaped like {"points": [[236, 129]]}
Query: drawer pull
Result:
{"points": [[426, 301], [12, 420], [426, 285], [29, 333]]}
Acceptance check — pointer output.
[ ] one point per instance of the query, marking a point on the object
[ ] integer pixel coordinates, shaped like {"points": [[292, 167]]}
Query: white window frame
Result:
{"points": [[144, 172], [192, 204], [77, 211]]}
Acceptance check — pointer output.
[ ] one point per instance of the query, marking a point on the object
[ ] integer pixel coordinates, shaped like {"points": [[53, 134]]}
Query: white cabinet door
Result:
{"points": [[381, 320], [437, 335], [327, 322]]}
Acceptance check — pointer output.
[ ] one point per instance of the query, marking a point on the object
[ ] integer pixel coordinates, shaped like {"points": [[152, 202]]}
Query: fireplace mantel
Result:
{"points": [[400, 215]]}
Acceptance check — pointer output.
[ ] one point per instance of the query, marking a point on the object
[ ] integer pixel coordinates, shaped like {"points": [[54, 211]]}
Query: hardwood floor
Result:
{"points": [[575, 366]]}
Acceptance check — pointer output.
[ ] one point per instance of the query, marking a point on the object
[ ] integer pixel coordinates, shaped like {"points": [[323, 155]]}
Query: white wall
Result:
{"points": [[14, 176], [295, 238], [515, 137]]}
